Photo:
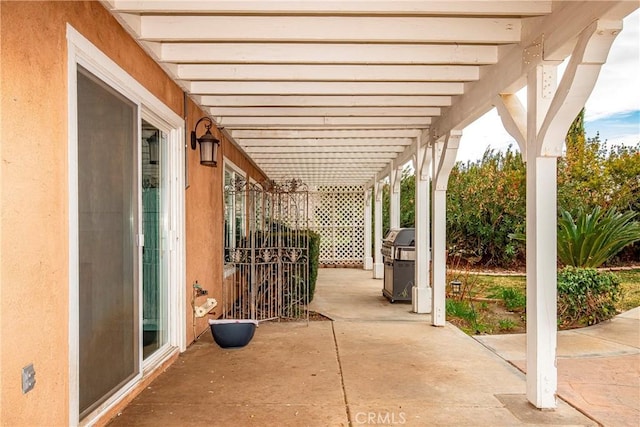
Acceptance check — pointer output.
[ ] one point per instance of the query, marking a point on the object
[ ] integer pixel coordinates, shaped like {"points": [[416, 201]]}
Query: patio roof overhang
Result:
{"points": [[346, 92], [335, 92]]}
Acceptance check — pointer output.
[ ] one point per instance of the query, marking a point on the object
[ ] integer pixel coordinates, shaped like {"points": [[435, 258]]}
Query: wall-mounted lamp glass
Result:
{"points": [[208, 144], [151, 136], [153, 148]]}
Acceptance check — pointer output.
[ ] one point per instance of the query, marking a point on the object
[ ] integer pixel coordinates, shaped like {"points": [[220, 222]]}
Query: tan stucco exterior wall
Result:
{"points": [[204, 215], [205, 221], [34, 272], [34, 214]]}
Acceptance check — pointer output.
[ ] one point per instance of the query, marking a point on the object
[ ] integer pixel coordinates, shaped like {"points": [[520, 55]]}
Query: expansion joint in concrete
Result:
{"points": [[344, 391]]}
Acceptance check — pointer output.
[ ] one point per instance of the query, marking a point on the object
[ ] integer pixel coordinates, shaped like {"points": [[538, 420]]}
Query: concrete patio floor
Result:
{"points": [[598, 367], [375, 364]]}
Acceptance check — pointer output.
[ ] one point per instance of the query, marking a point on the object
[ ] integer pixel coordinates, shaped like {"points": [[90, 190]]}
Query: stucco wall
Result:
{"points": [[204, 213], [205, 221], [34, 214], [34, 224]]}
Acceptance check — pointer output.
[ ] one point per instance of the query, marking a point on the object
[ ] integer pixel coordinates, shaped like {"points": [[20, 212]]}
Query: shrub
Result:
{"points": [[312, 240], [314, 259], [486, 202], [591, 239], [294, 287], [586, 296]]}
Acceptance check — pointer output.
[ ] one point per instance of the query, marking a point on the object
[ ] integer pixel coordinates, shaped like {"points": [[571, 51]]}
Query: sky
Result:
{"points": [[612, 110]]}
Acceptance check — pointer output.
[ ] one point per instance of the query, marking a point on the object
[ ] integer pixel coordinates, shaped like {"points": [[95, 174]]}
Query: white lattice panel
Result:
{"points": [[337, 214]]}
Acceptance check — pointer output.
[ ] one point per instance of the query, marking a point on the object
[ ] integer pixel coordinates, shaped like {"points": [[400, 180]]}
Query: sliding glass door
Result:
{"points": [[123, 265], [107, 213], [127, 311]]}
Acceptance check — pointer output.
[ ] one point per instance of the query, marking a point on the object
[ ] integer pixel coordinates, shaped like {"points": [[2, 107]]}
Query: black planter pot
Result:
{"points": [[232, 333]]}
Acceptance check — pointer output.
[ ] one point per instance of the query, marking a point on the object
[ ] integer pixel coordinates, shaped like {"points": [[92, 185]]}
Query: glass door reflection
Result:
{"points": [[154, 283]]}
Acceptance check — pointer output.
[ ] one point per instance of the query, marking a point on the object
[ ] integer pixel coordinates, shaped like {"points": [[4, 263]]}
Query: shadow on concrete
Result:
{"points": [[375, 364]]}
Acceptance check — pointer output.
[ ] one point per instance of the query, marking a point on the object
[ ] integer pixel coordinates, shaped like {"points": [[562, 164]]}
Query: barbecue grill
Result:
{"points": [[399, 255]]}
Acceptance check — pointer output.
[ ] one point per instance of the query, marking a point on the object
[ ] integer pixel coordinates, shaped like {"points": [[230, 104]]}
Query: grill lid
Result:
{"points": [[401, 237]]}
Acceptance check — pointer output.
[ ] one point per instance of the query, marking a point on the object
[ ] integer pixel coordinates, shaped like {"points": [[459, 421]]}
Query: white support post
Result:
{"points": [[394, 197], [421, 292], [444, 157], [542, 375], [550, 111], [378, 264], [368, 259]]}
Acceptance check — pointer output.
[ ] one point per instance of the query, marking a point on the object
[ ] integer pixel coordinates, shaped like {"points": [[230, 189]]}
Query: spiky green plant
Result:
{"points": [[593, 238]]}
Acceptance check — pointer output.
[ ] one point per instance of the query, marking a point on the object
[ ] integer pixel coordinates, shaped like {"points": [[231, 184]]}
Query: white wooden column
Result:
{"points": [[421, 293], [551, 109], [368, 259], [541, 249], [395, 178], [378, 263], [443, 159]]}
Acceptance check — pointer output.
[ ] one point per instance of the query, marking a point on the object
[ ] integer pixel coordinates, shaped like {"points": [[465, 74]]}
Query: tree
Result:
{"points": [[485, 203], [622, 169], [581, 179], [486, 198], [407, 201]]}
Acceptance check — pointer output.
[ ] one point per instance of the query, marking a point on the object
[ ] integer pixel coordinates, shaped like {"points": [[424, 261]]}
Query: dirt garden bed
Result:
{"points": [[495, 303]]}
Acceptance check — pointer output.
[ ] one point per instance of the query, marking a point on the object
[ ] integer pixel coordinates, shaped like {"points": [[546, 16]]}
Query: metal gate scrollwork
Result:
{"points": [[270, 258]]}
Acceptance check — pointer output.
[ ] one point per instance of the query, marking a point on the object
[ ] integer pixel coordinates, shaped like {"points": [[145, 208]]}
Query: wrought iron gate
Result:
{"points": [[268, 251]]}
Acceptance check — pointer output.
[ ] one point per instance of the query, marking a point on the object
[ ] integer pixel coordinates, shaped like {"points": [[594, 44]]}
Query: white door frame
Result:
{"points": [[82, 52]]}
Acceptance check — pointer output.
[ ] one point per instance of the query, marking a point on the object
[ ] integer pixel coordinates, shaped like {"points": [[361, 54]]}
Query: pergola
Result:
{"points": [[347, 92]]}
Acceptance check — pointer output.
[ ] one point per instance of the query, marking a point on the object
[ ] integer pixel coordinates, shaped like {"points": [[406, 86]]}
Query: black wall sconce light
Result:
{"points": [[150, 135], [153, 148], [208, 143]]}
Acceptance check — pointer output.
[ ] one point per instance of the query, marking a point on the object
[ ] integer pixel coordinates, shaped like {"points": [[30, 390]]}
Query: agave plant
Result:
{"points": [[591, 239]]}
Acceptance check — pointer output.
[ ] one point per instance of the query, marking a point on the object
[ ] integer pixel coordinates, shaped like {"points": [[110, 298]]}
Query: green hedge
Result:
{"points": [[314, 261], [586, 296]]}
